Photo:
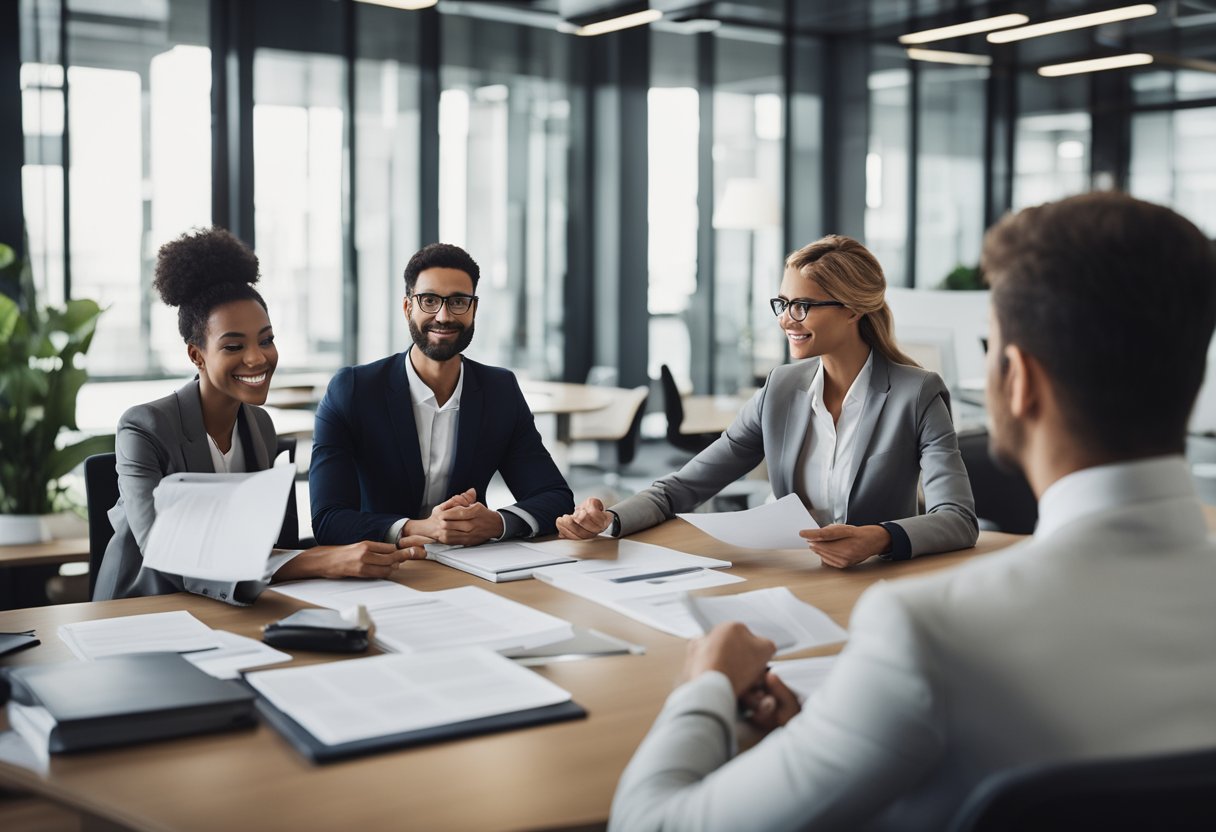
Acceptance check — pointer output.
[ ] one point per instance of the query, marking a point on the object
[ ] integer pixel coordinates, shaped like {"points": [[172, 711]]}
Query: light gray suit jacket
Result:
{"points": [[154, 440], [904, 435], [1095, 639]]}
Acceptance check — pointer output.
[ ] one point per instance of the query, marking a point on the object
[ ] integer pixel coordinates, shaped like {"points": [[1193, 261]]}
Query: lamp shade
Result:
{"points": [[747, 204]]}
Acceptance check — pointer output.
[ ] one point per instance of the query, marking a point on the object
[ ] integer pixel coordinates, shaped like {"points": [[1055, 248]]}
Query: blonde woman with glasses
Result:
{"points": [[851, 430]]}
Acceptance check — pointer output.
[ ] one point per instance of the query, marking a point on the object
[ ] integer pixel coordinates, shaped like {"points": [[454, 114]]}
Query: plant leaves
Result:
{"points": [[63, 460]]}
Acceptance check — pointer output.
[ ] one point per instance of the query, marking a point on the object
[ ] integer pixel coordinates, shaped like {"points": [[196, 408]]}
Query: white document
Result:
{"points": [[218, 527], [174, 632], [345, 594], [775, 614], [339, 702], [237, 653], [632, 558], [497, 562], [461, 617], [804, 676], [770, 526]]}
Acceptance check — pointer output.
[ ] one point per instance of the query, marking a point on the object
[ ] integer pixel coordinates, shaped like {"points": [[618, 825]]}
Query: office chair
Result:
{"points": [[1004, 500], [673, 406], [1174, 792], [289, 536], [100, 493], [616, 429]]}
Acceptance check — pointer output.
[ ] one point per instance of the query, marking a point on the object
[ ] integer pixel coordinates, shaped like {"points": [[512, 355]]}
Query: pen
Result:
{"points": [[648, 575]]}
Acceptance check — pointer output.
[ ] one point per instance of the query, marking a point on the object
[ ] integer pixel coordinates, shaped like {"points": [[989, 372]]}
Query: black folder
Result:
{"points": [[126, 699], [318, 752]]}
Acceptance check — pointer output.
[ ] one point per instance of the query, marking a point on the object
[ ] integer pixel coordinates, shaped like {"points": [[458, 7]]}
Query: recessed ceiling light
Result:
{"points": [[1067, 24], [975, 27]]}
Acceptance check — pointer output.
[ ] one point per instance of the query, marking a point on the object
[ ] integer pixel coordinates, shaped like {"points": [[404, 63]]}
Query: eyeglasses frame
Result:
{"points": [[443, 301], [780, 305]]}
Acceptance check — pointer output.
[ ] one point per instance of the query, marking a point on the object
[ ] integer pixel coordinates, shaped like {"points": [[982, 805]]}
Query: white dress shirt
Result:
{"points": [[1093, 639], [232, 462], [822, 474]]}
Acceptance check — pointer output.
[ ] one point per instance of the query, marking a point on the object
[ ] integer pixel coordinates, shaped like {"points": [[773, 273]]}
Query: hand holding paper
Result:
{"points": [[770, 526]]}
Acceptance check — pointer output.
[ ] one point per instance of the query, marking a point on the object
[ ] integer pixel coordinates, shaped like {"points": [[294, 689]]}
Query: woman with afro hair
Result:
{"points": [[214, 424]]}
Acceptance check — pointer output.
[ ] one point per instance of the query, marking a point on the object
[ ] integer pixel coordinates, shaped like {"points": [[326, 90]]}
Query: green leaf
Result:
{"points": [[63, 460], [10, 314], [7, 256]]}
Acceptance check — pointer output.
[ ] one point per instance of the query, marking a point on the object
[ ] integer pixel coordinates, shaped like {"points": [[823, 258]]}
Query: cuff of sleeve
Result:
{"points": [[615, 529], [394, 531], [513, 525], [901, 545], [710, 694]]}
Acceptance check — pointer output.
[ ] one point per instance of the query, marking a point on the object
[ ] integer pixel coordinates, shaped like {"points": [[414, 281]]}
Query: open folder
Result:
{"points": [[347, 709]]}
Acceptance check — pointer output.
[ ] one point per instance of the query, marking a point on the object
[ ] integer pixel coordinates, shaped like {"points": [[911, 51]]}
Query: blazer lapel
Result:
{"points": [[468, 426], [401, 411], [195, 450], [257, 453], [880, 385], [798, 422]]}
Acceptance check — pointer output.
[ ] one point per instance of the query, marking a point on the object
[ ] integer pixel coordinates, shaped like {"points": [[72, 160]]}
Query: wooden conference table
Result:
{"points": [[553, 776]]}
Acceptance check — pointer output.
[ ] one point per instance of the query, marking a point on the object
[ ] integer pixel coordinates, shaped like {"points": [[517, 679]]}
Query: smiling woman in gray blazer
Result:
{"points": [[851, 430], [213, 424]]}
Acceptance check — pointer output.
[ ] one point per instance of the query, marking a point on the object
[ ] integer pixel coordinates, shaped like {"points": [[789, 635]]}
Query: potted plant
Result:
{"points": [[964, 278], [41, 352]]}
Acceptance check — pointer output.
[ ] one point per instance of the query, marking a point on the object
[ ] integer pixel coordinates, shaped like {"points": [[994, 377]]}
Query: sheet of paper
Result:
{"points": [[631, 558], [489, 559], [361, 698], [770, 526], [347, 593], [237, 653], [804, 676], [15, 751], [175, 632], [774, 613], [218, 527], [464, 616]]}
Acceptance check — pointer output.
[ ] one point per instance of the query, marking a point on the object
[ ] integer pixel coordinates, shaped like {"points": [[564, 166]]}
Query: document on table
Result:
{"points": [[775, 614], [235, 654], [218, 527], [497, 562], [175, 632], [340, 702], [632, 559], [346, 594], [804, 676], [770, 526]]}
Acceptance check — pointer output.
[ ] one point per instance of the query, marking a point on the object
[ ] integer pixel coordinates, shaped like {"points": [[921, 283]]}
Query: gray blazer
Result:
{"points": [[154, 440], [905, 435]]}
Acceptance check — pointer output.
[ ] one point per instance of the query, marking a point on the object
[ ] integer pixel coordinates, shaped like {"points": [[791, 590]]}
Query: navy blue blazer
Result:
{"points": [[366, 471]]}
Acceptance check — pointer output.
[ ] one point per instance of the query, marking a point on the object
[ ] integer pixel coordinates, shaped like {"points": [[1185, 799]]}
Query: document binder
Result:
{"points": [[318, 752], [75, 706]]}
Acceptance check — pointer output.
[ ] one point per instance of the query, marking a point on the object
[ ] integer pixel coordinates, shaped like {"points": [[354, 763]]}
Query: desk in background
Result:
{"points": [[552, 776]]}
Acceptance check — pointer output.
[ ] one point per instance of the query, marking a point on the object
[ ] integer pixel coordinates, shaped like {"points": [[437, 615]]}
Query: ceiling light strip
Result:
{"points": [[407, 5], [959, 30], [1096, 64], [615, 24], [939, 56], [1067, 24]]}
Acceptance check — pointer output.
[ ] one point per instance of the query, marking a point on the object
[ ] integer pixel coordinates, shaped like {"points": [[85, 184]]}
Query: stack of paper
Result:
{"points": [[804, 676], [775, 614], [346, 708], [770, 526], [495, 562], [218, 527], [407, 620]]}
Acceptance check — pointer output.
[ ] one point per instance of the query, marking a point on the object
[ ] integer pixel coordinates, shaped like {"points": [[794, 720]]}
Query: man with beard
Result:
{"points": [[406, 446], [1092, 639]]}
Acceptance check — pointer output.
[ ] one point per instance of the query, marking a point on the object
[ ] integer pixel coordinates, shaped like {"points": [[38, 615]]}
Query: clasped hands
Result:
{"points": [[460, 519], [742, 657], [587, 521]]}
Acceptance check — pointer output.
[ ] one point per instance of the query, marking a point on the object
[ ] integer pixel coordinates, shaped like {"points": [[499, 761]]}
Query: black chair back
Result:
{"points": [[673, 407], [627, 445], [289, 536], [1003, 499], [101, 493], [1174, 792]]}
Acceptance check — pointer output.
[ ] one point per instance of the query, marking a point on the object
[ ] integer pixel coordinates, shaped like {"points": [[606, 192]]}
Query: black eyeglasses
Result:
{"points": [[800, 307], [457, 304]]}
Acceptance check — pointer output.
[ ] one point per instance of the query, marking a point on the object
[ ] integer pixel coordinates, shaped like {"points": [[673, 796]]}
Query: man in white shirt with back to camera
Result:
{"points": [[1096, 638]]}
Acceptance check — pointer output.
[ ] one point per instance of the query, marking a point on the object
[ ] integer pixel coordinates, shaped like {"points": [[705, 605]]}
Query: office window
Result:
{"points": [[504, 134], [1172, 162], [298, 134], [1051, 140], [886, 220], [950, 174]]}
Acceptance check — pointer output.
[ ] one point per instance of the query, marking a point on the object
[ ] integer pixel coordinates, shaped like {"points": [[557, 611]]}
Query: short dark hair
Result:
{"points": [[440, 256], [1110, 294], [203, 269]]}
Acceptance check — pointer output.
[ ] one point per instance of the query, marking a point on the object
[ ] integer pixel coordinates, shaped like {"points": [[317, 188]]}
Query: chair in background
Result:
{"points": [[1172, 792], [616, 429], [100, 493], [673, 406], [1003, 501]]}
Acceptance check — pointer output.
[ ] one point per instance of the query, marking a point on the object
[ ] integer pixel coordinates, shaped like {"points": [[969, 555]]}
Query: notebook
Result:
{"points": [[75, 706], [497, 562]]}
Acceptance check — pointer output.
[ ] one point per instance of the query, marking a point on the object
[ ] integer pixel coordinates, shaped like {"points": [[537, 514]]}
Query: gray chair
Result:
{"points": [[1175, 792]]}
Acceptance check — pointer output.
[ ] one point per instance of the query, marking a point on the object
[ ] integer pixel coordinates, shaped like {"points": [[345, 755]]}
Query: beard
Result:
{"points": [[1006, 438], [444, 351]]}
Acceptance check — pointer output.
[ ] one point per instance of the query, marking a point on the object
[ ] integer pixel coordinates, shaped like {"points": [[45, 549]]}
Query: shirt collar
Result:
{"points": [[1107, 487], [856, 392], [420, 393]]}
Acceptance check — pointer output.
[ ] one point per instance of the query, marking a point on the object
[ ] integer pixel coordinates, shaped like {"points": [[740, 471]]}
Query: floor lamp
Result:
{"points": [[748, 205]]}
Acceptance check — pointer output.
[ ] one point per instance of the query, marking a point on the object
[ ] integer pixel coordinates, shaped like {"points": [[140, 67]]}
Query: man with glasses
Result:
{"points": [[406, 446]]}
